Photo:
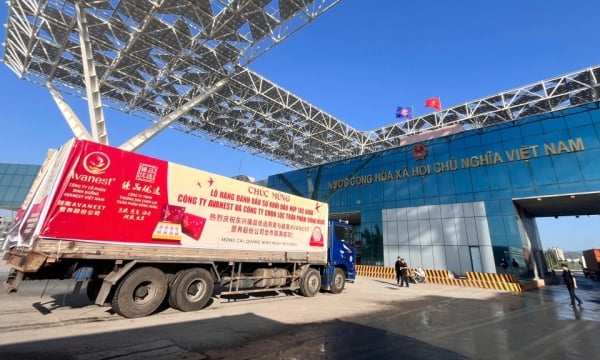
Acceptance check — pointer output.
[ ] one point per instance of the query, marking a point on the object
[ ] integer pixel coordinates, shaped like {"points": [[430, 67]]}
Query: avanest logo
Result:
{"points": [[96, 163]]}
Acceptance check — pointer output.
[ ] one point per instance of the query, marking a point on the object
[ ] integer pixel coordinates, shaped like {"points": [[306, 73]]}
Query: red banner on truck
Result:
{"points": [[101, 193]]}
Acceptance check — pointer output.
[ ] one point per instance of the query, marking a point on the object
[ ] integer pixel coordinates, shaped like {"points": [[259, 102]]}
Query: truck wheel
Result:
{"points": [[172, 285], [311, 283], [339, 280], [140, 292], [191, 289]]}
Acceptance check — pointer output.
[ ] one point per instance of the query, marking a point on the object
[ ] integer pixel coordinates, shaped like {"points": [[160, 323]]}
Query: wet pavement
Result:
{"points": [[371, 319], [538, 324]]}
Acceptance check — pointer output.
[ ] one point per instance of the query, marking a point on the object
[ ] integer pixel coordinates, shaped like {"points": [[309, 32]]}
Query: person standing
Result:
{"points": [[571, 283], [515, 268], [403, 273], [504, 266], [398, 269]]}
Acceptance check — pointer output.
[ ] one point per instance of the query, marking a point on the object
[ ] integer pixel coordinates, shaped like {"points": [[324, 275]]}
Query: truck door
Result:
{"points": [[341, 252]]}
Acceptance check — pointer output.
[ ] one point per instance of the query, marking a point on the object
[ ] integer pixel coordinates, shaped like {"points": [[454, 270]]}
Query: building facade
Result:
{"points": [[453, 202], [15, 182]]}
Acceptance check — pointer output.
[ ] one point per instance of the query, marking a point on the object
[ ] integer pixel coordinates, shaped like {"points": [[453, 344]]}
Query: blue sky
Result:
{"points": [[358, 62]]}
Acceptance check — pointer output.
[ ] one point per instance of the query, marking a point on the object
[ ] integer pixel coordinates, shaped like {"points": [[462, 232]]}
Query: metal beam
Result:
{"points": [[141, 138], [73, 121], [154, 56], [94, 99]]}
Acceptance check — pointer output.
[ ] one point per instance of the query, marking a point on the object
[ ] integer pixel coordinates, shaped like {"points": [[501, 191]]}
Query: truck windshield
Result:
{"points": [[345, 234]]}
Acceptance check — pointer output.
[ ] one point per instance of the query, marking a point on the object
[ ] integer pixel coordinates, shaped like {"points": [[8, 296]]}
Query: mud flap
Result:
{"points": [[112, 278], [13, 281]]}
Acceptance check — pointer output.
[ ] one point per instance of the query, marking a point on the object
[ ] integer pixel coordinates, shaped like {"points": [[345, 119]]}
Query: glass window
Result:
{"points": [[566, 169], [509, 146], [12, 168], [553, 124], [6, 180], [472, 141], [21, 169], [462, 182], [18, 180], [580, 119], [496, 225], [510, 133], [430, 186], [493, 207], [588, 162], [344, 233], [456, 146], [415, 187], [549, 189], [21, 194], [587, 134], [483, 196], [33, 170], [502, 194], [531, 128], [445, 182], [499, 177], [480, 179], [520, 176], [542, 171]]}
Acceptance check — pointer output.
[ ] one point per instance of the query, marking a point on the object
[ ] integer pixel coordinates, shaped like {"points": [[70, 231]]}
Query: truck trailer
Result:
{"points": [[141, 231], [591, 263]]}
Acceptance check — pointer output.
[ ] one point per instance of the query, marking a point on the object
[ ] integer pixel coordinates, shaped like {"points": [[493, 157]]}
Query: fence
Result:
{"points": [[507, 282]]}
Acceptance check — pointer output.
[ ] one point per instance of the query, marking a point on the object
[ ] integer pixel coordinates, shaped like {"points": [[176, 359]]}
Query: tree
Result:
{"points": [[551, 260]]}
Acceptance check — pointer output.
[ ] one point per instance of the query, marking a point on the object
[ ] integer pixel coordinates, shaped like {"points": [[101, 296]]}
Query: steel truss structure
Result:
{"points": [[184, 64]]}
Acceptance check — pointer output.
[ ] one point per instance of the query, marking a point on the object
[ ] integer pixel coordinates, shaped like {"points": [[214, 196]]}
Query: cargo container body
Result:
{"points": [[140, 230]]}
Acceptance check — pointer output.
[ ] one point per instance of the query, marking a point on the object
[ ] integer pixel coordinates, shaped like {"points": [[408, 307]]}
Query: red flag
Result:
{"points": [[434, 102]]}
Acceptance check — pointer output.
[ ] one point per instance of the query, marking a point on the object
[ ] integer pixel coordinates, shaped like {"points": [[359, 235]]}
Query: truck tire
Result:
{"points": [[311, 283], [172, 284], [339, 281], [140, 292], [191, 289]]}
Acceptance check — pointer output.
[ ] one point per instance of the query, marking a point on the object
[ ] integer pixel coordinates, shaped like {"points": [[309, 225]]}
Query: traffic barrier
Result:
{"points": [[495, 281], [507, 282], [378, 271]]}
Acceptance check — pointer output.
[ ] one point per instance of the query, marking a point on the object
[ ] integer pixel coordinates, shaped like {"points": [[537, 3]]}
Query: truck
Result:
{"points": [[141, 231], [591, 263]]}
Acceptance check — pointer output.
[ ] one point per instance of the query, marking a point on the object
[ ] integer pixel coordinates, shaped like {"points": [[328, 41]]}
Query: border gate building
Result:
{"points": [[465, 201], [458, 189]]}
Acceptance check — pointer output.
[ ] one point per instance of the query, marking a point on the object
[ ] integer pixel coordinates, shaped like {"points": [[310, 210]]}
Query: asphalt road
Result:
{"points": [[371, 319]]}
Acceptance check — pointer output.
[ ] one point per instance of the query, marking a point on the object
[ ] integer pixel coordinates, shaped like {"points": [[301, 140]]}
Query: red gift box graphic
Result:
{"points": [[192, 225], [172, 213]]}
